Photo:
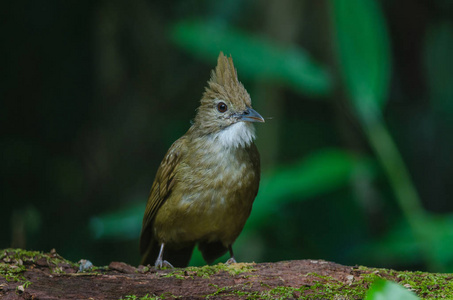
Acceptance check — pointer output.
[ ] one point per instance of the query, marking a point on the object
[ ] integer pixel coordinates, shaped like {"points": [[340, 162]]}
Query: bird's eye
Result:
{"points": [[222, 107]]}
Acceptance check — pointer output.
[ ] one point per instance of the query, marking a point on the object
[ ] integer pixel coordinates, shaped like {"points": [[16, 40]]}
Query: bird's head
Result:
{"points": [[226, 108]]}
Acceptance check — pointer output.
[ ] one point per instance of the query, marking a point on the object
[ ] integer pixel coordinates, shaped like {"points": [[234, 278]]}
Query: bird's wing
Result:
{"points": [[161, 189], [256, 161]]}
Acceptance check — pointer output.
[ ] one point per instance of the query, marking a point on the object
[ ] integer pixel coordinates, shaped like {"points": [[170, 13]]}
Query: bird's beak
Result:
{"points": [[250, 115]]}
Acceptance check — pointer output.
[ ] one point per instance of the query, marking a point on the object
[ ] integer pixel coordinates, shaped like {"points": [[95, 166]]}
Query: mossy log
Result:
{"points": [[36, 275]]}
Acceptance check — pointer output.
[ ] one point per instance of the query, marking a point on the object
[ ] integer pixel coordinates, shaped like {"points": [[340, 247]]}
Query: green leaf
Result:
{"points": [[364, 51], [322, 172], [254, 57], [388, 290]]}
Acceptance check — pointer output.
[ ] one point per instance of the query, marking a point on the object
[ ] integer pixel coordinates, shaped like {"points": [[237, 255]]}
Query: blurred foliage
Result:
{"points": [[400, 245], [256, 57], [317, 174], [89, 109], [364, 54]]}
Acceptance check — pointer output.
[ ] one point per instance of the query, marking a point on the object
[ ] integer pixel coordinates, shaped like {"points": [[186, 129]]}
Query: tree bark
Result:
{"points": [[34, 275]]}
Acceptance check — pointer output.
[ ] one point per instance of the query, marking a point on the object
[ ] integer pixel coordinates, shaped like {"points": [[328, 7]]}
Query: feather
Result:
{"points": [[206, 184]]}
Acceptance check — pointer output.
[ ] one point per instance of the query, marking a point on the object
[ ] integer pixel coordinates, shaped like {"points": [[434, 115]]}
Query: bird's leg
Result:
{"points": [[231, 260], [160, 263]]}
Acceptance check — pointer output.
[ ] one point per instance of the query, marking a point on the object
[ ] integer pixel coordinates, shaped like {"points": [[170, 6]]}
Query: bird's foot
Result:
{"points": [[230, 261], [160, 262], [163, 264]]}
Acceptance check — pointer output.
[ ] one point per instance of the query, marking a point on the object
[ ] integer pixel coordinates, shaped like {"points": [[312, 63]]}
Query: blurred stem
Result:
{"points": [[399, 178], [282, 22]]}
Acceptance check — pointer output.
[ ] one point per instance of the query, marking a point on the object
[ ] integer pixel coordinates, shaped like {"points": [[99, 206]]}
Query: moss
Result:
{"points": [[178, 274], [146, 297], [426, 285], [324, 288], [12, 264], [31, 257], [208, 271], [234, 291], [281, 292]]}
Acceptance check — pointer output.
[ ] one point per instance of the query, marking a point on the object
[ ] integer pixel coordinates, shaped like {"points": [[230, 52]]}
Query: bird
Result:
{"points": [[206, 184]]}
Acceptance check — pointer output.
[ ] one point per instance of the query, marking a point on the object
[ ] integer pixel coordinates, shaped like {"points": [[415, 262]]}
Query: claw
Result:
{"points": [[163, 264], [230, 261], [160, 262]]}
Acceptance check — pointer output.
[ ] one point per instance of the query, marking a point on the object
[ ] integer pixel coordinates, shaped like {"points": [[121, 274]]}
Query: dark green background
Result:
{"points": [[357, 149]]}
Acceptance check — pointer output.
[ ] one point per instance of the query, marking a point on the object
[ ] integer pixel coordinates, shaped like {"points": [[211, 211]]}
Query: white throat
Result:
{"points": [[240, 134]]}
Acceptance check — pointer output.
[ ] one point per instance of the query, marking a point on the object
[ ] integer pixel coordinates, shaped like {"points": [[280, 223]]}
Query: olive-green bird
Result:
{"points": [[206, 184]]}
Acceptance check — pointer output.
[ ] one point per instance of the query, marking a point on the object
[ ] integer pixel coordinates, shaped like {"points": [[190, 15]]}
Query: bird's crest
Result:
{"points": [[224, 84]]}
